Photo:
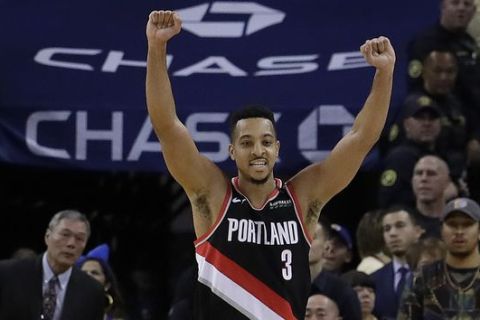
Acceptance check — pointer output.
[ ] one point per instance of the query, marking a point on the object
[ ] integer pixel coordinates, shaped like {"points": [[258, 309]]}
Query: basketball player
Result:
{"points": [[253, 230]]}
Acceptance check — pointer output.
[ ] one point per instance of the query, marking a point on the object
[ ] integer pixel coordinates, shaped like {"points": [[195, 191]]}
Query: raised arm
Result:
{"points": [[191, 169], [319, 182]]}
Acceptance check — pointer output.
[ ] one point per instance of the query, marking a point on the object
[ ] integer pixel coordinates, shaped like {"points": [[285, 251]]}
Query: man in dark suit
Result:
{"points": [[399, 232], [49, 287]]}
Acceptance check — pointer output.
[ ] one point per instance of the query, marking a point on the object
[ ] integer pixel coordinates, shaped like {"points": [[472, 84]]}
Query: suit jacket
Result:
{"points": [[386, 300], [21, 292]]}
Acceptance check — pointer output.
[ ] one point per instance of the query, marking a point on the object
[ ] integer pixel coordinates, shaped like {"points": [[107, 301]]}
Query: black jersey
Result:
{"points": [[253, 263]]}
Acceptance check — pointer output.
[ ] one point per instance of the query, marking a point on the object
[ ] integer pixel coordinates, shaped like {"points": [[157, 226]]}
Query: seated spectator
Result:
{"points": [[330, 284], [365, 289], [450, 288], [370, 243], [321, 307], [422, 127], [400, 231], [338, 249], [459, 129], [429, 182], [450, 32], [95, 264]]}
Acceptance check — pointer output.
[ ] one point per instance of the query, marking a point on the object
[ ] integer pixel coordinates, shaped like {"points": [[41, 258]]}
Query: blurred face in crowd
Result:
{"points": [[366, 296], [399, 232], [428, 258], [65, 243], [457, 14], [94, 269], [254, 149], [319, 307], [336, 254], [439, 73], [318, 244], [460, 234], [430, 179], [424, 127]]}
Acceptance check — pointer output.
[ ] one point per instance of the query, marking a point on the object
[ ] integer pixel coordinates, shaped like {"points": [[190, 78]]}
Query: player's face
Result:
{"points": [[399, 232], [460, 234], [456, 14], [440, 73], [65, 243], [255, 149]]}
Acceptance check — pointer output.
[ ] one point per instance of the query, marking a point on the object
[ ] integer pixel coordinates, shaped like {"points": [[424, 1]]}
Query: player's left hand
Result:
{"points": [[379, 53]]}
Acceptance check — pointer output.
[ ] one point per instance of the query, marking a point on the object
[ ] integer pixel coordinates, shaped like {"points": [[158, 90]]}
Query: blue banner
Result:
{"points": [[72, 75]]}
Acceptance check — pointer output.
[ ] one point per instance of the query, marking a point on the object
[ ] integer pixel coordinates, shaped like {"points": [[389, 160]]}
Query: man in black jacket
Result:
{"points": [[49, 287]]}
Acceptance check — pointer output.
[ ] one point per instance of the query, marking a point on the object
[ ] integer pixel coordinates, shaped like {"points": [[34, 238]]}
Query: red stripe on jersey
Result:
{"points": [[298, 212], [221, 215], [246, 280]]}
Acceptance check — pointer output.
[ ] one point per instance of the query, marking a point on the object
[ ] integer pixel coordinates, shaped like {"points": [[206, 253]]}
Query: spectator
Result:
{"points": [[370, 243], [459, 128], [49, 286], [321, 307], [400, 232], [422, 126], [450, 288], [330, 284], [95, 264], [450, 31], [338, 249], [430, 181], [365, 289]]}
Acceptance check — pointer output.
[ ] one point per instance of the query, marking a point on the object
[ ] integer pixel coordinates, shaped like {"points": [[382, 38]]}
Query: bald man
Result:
{"points": [[431, 183]]}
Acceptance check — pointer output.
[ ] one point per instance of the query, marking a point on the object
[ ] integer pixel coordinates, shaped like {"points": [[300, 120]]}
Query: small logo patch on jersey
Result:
{"points": [[389, 177], [280, 204], [237, 200]]}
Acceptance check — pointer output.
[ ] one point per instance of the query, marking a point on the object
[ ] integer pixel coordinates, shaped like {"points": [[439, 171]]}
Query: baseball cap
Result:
{"points": [[415, 103], [342, 234], [464, 205]]}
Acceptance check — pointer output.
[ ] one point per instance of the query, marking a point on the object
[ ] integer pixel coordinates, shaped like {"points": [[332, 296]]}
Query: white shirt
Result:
{"points": [[62, 283]]}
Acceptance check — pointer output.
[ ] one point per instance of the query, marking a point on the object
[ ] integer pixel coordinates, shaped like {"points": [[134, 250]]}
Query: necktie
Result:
{"points": [[401, 284], [50, 299]]}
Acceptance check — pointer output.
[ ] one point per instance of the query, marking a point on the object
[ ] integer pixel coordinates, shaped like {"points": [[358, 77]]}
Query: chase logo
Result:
{"points": [[259, 17], [335, 117]]}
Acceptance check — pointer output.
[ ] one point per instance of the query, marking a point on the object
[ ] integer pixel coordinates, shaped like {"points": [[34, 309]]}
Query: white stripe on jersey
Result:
{"points": [[232, 293]]}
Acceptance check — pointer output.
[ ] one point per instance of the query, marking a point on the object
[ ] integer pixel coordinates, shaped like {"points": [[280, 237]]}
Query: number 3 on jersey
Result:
{"points": [[286, 257]]}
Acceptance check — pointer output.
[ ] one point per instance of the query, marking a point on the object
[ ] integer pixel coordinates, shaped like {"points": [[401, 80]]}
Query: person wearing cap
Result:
{"points": [[450, 288], [400, 231], [365, 289], [460, 135], [338, 249], [328, 283], [422, 127]]}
